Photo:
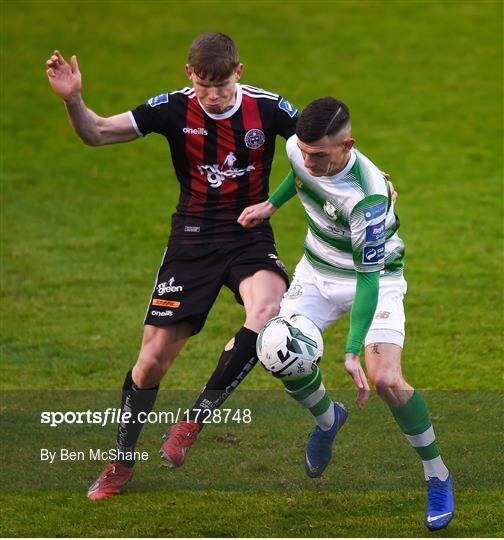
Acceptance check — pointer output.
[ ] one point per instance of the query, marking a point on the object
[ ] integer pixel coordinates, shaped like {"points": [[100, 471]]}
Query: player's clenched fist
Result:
{"points": [[255, 214], [64, 78]]}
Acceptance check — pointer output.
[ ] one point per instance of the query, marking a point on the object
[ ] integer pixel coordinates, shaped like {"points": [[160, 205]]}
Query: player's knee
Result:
{"points": [[147, 376], [263, 313], [386, 382], [149, 369]]}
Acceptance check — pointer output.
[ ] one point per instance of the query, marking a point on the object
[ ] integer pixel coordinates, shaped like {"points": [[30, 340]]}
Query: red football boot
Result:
{"points": [[111, 481], [176, 443]]}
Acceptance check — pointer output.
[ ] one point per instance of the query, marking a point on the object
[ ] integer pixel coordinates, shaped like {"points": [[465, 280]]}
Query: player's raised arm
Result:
{"points": [[66, 81]]}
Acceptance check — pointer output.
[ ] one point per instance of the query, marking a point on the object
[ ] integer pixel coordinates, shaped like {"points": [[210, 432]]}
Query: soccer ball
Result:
{"points": [[289, 346]]}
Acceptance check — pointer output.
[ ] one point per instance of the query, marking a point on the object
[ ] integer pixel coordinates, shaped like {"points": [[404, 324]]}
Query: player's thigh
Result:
{"points": [[385, 339], [163, 343], [261, 294], [187, 285], [383, 361], [306, 297], [160, 347], [258, 279], [388, 324]]}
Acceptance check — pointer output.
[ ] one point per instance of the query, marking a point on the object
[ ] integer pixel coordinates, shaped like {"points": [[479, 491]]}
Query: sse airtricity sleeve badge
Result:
{"points": [[287, 107], [158, 100]]}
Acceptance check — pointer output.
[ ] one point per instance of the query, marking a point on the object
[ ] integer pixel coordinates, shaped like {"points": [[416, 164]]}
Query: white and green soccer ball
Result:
{"points": [[289, 346]]}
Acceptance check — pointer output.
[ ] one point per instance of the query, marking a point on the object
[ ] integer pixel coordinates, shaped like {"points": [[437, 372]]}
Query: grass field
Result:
{"points": [[83, 230]]}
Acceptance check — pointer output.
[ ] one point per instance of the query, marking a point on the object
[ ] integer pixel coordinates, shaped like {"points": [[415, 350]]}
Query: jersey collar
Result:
{"points": [[231, 111]]}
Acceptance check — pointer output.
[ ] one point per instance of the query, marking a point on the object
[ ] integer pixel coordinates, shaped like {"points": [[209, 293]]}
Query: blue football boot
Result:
{"points": [[319, 448], [440, 503]]}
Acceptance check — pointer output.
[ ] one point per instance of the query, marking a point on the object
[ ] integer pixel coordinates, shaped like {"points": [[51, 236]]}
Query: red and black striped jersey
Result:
{"points": [[222, 162]]}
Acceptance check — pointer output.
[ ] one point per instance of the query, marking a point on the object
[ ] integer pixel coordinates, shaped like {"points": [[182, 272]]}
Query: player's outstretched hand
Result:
{"points": [[64, 78], [354, 369], [256, 214], [393, 192]]}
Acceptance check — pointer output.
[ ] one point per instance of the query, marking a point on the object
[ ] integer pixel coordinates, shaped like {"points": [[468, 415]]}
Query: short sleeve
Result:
{"points": [[367, 226], [286, 116], [152, 116]]}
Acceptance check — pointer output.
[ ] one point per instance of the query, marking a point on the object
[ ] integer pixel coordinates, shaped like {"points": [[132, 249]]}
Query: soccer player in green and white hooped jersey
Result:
{"points": [[353, 261]]}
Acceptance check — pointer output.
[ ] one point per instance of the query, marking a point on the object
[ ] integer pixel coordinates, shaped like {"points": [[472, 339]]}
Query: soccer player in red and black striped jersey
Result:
{"points": [[222, 140]]}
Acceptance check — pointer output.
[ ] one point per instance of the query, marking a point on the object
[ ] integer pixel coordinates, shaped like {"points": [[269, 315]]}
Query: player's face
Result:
{"points": [[327, 156], [216, 96]]}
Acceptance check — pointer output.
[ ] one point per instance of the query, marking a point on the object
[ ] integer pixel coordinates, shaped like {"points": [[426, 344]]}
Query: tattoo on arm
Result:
{"points": [[375, 348]]}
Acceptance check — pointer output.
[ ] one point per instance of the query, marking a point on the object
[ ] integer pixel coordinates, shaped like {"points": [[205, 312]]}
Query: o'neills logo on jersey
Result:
{"points": [[216, 174], [195, 131], [168, 287]]}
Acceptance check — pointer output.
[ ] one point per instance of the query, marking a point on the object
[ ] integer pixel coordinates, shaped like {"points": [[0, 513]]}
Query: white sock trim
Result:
{"points": [[435, 468], [422, 439], [326, 420], [313, 398]]}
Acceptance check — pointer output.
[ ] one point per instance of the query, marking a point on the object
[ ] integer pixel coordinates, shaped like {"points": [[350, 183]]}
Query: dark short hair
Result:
{"points": [[324, 116], [213, 56]]}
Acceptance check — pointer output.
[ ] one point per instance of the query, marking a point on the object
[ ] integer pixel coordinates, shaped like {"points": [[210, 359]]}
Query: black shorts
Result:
{"points": [[191, 276]]}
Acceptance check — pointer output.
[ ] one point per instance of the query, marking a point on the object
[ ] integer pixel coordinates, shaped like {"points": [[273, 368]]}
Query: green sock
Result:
{"points": [[311, 394], [414, 421]]}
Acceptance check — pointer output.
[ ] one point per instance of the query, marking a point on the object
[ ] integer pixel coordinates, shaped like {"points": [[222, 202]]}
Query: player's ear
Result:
{"points": [[239, 71], [188, 71], [349, 143]]}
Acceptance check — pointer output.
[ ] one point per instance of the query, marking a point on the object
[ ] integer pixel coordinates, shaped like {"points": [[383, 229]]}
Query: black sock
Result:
{"points": [[234, 365], [134, 400]]}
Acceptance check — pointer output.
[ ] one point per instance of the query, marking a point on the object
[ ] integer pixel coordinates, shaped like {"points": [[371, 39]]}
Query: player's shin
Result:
{"points": [[233, 366], [311, 394], [414, 421], [137, 403]]}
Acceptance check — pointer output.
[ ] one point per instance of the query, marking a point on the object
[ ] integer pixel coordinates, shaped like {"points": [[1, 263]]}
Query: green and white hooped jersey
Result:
{"points": [[351, 220]]}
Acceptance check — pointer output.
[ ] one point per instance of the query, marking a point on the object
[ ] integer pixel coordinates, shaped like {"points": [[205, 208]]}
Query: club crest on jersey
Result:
{"points": [[330, 210], [158, 100], [254, 139], [287, 107], [299, 183], [295, 290]]}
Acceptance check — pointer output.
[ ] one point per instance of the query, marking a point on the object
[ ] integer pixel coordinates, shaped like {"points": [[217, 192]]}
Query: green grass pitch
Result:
{"points": [[83, 230]]}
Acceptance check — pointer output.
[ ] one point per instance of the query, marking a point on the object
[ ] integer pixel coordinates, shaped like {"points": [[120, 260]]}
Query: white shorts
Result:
{"points": [[324, 299]]}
